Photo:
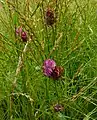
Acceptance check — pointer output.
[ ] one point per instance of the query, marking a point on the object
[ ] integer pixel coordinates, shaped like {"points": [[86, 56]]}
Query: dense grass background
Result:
{"points": [[71, 42]]}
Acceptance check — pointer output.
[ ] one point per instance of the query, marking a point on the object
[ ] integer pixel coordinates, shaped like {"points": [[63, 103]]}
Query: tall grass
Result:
{"points": [[25, 93]]}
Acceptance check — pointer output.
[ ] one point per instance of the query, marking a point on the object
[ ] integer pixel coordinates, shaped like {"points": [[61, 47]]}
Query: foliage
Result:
{"points": [[25, 93]]}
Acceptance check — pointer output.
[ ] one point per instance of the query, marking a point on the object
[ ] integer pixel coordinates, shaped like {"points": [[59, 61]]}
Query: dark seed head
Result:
{"points": [[57, 72], [58, 107], [49, 17], [24, 36]]}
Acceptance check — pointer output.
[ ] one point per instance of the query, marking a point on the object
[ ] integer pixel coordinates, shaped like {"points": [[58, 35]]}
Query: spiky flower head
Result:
{"points": [[48, 67]]}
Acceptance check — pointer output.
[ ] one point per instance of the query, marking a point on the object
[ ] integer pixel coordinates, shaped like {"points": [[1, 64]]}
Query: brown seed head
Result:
{"points": [[49, 17], [57, 72], [58, 107]]}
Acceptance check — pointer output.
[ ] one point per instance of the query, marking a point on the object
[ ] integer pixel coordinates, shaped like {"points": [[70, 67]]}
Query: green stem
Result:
{"points": [[55, 82]]}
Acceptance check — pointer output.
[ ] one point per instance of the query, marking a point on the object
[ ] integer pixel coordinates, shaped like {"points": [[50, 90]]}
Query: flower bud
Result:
{"points": [[24, 36], [51, 70], [19, 31]]}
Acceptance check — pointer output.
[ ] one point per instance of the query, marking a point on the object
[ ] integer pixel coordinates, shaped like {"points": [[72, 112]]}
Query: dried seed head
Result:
{"points": [[49, 17], [57, 72], [58, 107]]}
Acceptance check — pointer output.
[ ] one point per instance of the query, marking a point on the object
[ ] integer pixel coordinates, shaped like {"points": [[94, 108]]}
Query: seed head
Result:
{"points": [[58, 107], [57, 72], [49, 17]]}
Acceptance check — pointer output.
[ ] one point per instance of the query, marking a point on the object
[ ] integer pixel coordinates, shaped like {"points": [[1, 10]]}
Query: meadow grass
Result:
{"points": [[25, 93]]}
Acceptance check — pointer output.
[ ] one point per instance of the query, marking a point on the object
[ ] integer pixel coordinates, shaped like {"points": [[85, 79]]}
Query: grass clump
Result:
{"points": [[61, 30]]}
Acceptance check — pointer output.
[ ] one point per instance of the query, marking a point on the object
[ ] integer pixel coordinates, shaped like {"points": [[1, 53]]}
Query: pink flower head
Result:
{"points": [[48, 67], [19, 31], [50, 17], [22, 34], [49, 63]]}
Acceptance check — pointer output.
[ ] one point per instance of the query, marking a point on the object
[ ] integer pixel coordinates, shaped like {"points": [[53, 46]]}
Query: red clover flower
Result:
{"points": [[58, 108], [19, 31], [48, 67], [51, 70]]}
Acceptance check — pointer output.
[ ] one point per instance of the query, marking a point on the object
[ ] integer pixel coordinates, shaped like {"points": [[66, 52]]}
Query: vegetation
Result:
{"points": [[32, 31]]}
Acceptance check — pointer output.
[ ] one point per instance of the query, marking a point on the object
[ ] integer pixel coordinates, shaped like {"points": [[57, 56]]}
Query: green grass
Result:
{"points": [[25, 93]]}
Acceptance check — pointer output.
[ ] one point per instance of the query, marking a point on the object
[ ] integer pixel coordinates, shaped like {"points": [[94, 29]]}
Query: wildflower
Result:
{"points": [[58, 107], [19, 31], [48, 67], [49, 17], [49, 63], [24, 36], [51, 70]]}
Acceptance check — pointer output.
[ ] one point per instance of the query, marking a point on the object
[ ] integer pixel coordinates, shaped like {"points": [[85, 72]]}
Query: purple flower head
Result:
{"points": [[48, 67], [19, 31], [49, 63], [24, 36]]}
